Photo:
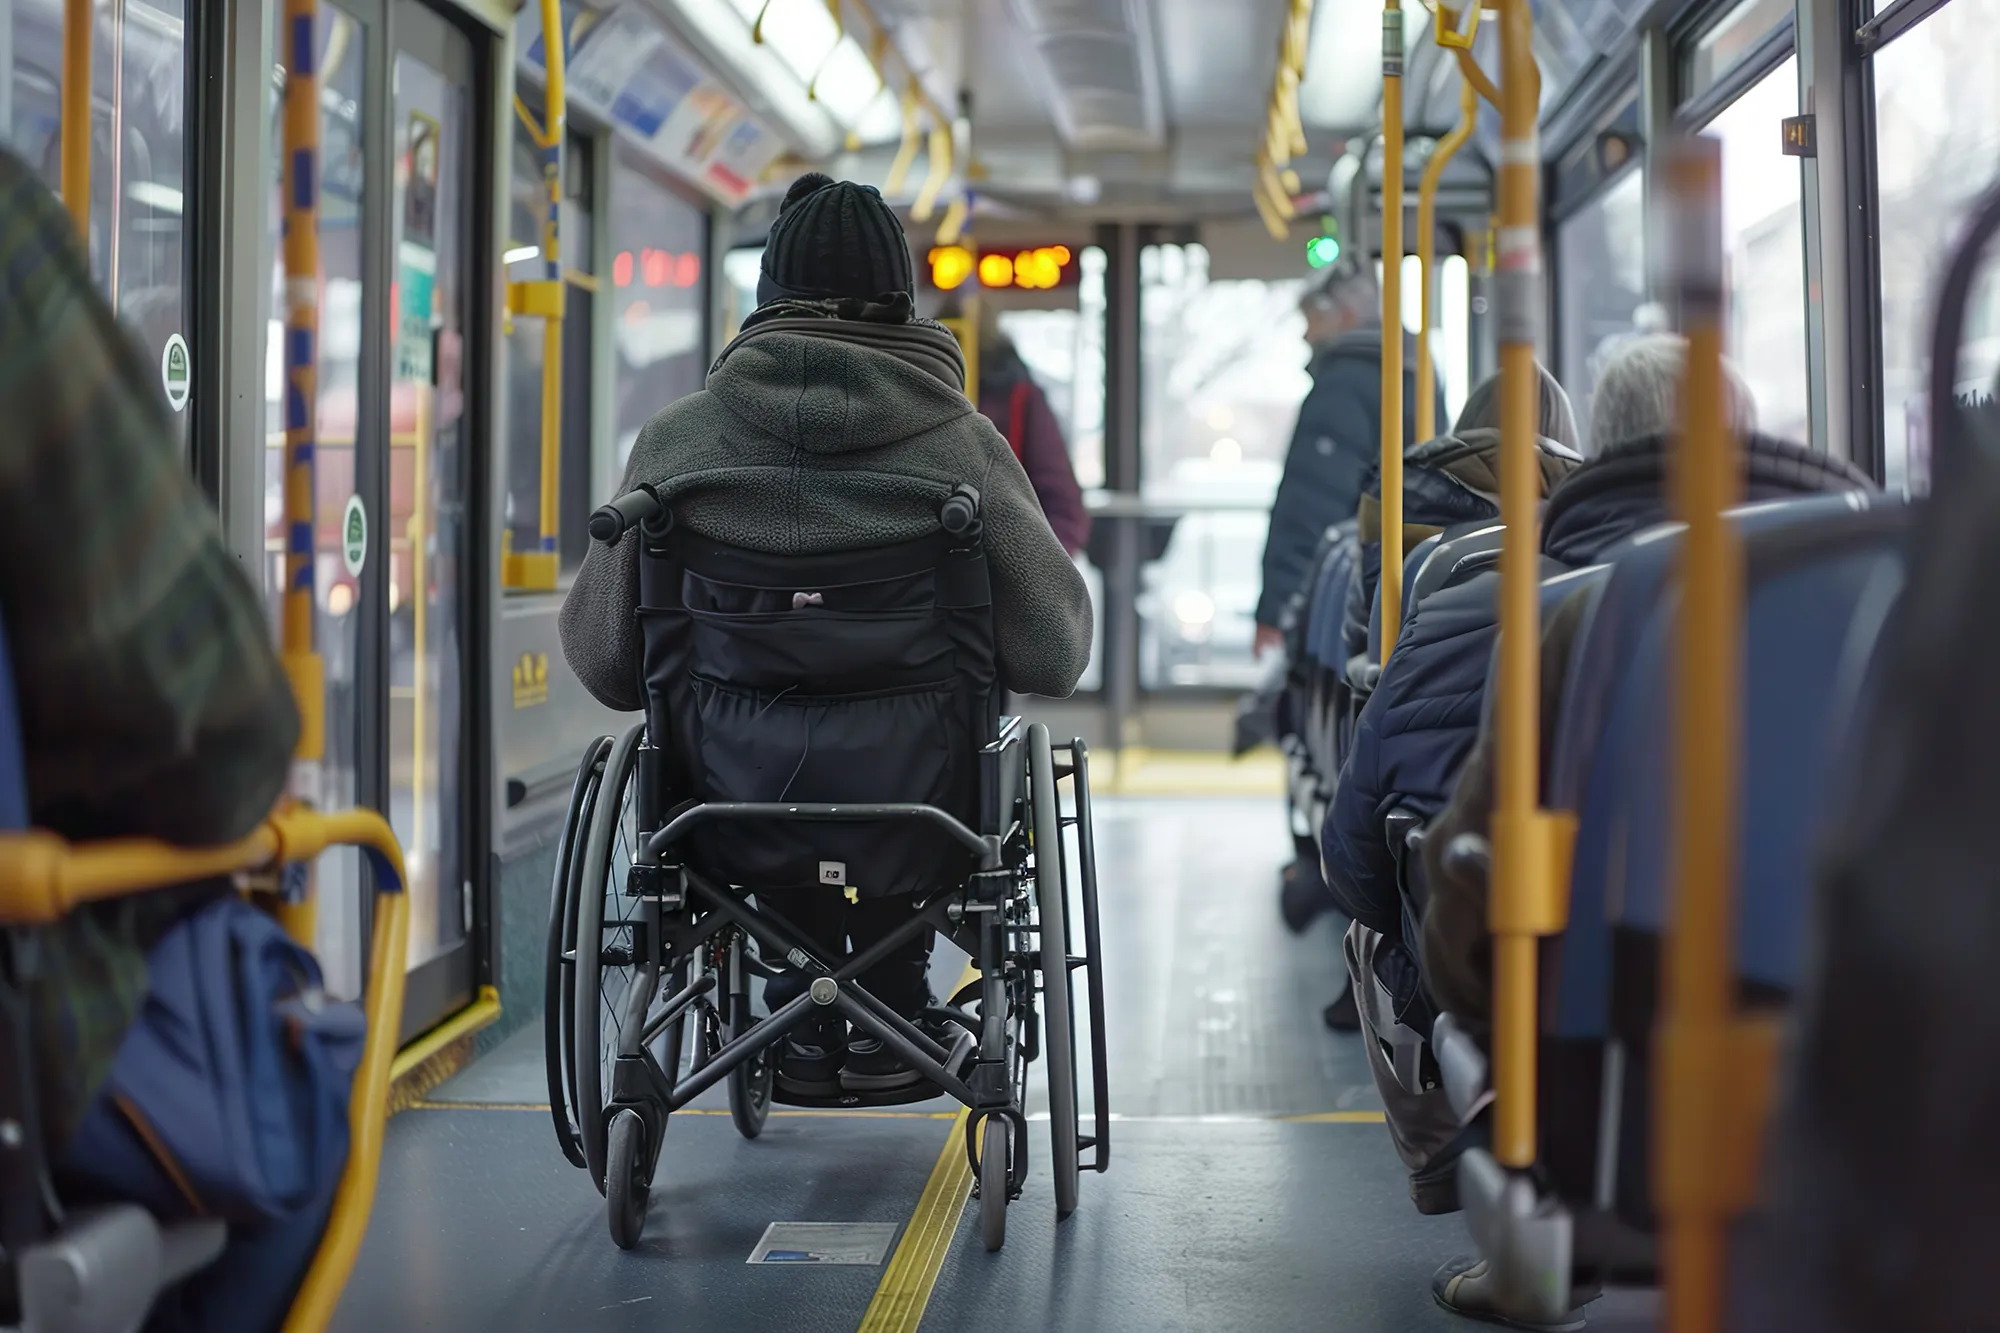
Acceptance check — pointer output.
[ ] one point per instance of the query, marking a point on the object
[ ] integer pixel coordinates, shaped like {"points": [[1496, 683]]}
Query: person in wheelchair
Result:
{"points": [[836, 421]]}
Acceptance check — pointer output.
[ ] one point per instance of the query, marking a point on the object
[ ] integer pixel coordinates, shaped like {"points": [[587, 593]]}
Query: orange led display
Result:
{"points": [[1035, 269]]}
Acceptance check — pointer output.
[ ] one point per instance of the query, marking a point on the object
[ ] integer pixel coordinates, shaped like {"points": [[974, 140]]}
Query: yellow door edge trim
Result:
{"points": [[441, 1052]]}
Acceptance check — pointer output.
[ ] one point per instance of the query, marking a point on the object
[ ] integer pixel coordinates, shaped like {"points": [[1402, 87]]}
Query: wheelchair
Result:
{"points": [[824, 723]]}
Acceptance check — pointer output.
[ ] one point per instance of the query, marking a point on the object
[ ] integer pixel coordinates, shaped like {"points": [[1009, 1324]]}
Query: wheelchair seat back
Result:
{"points": [[858, 677]]}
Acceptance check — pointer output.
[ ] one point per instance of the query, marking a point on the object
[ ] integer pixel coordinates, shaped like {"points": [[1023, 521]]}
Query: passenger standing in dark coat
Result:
{"points": [[1339, 434]]}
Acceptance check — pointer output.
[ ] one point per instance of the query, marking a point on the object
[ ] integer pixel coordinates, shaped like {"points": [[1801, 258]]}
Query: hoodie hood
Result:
{"points": [[1624, 491], [1456, 479], [833, 377]]}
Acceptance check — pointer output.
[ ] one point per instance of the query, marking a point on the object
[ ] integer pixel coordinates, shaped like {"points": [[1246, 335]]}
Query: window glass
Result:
{"points": [[1764, 251], [659, 273], [339, 613], [741, 268], [1722, 46], [1223, 373], [138, 154], [1601, 269], [1937, 128]]}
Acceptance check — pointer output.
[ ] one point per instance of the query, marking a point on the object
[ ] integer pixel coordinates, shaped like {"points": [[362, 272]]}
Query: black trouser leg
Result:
{"points": [[902, 980], [819, 916]]}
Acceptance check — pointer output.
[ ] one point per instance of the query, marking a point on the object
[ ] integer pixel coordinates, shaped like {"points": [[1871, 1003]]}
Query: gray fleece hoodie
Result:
{"points": [[819, 434]]}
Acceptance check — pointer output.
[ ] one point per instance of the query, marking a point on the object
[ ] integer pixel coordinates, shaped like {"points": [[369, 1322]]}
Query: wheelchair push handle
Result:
{"points": [[959, 514], [640, 507]]}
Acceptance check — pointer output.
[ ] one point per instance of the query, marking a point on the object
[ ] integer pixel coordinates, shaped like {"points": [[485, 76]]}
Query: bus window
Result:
{"points": [[1937, 127], [1601, 274]]}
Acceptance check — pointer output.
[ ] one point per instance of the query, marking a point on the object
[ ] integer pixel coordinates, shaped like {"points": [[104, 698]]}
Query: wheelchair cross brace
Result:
{"points": [[638, 1081]]}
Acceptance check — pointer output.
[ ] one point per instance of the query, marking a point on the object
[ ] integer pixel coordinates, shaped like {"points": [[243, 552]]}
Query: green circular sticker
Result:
{"points": [[354, 536], [175, 372]]}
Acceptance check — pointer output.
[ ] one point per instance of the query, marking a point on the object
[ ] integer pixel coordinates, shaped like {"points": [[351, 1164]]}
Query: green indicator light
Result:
{"points": [[1321, 251]]}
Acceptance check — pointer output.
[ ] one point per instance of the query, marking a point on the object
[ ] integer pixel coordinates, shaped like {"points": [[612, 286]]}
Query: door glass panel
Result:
{"points": [[1223, 371], [139, 149], [341, 607], [427, 516]]}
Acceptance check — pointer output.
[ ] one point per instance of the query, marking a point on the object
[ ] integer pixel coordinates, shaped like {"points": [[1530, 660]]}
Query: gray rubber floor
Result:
{"points": [[1219, 1212]]}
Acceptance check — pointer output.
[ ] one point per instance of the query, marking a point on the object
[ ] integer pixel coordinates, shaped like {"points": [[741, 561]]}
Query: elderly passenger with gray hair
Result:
{"points": [[1622, 490]]}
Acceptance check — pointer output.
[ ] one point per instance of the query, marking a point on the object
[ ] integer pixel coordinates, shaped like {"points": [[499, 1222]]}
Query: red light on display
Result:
{"points": [[658, 268]]}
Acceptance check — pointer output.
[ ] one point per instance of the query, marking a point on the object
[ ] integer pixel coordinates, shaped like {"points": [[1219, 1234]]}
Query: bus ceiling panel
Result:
{"points": [[1100, 69], [1219, 74]]}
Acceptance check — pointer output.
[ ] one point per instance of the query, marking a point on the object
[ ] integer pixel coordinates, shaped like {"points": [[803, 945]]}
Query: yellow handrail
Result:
{"points": [[1712, 1069], [297, 649], [75, 128], [1391, 588], [43, 876], [1470, 72], [1468, 108], [1530, 895], [540, 568], [936, 173]]}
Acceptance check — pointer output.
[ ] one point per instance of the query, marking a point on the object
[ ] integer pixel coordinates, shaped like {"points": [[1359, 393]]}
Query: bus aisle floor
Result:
{"points": [[1252, 1184]]}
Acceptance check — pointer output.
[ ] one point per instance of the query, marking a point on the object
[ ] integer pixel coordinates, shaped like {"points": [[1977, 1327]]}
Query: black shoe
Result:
{"points": [[809, 1065], [873, 1067], [1343, 1015], [1302, 896]]}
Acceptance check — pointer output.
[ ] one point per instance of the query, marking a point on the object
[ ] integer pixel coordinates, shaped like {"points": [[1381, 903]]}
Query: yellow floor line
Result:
{"points": [[912, 1272], [1337, 1118], [905, 1289]]}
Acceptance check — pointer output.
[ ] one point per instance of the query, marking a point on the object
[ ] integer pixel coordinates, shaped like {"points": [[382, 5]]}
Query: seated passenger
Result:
{"points": [[150, 700], [1416, 728], [836, 421], [1622, 491], [1450, 480], [1412, 735]]}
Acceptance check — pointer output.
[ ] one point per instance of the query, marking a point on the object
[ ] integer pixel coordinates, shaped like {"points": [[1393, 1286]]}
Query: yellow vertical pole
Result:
{"points": [[1391, 593], [1468, 106], [555, 123], [1695, 1070], [1530, 856], [299, 172], [77, 18]]}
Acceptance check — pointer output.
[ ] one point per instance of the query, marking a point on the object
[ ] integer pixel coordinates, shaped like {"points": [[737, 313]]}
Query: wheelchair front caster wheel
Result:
{"points": [[995, 1142], [626, 1184]]}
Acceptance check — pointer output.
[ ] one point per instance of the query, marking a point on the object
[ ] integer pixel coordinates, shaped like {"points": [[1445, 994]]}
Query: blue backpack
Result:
{"points": [[228, 1097]]}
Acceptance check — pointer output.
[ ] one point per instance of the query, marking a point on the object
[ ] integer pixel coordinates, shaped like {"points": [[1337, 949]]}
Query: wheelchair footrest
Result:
{"points": [[859, 1101]]}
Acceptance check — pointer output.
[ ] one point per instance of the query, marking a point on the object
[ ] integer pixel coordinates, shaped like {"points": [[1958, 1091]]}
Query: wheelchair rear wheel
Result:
{"points": [[1052, 912], [614, 1000], [559, 962]]}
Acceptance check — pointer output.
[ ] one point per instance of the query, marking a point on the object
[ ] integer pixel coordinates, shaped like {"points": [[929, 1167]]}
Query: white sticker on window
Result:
{"points": [[833, 872]]}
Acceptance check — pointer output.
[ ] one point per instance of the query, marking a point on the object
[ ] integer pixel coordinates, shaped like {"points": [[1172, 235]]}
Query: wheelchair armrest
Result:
{"points": [[1461, 1065], [1362, 673], [106, 1267]]}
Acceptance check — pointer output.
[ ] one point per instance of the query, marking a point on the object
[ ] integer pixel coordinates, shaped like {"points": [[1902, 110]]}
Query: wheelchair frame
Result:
{"points": [[1012, 914]]}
